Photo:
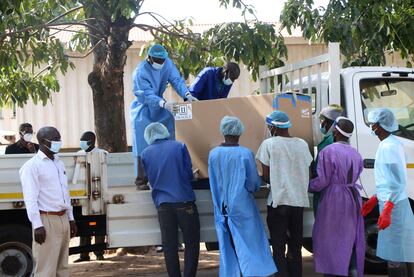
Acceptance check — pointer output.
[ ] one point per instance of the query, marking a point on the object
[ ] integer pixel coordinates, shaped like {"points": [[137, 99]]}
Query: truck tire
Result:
{"points": [[373, 264], [15, 251]]}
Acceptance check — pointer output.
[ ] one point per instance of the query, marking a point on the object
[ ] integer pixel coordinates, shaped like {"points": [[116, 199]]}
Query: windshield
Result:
{"points": [[395, 94]]}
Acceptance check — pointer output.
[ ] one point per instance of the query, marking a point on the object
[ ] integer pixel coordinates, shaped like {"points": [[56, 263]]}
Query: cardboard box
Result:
{"points": [[198, 124]]}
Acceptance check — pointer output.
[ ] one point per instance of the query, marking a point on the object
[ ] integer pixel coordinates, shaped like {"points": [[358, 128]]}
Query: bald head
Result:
{"points": [[48, 133]]}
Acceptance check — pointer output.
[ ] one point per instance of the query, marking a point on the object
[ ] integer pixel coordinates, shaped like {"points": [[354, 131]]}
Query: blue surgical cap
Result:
{"points": [[385, 118], [155, 131], [158, 51], [231, 126], [278, 119]]}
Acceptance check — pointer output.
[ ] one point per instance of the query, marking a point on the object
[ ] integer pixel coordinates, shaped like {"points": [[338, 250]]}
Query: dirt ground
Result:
{"points": [[134, 263]]}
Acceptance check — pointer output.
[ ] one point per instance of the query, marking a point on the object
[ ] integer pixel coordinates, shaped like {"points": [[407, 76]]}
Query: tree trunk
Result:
{"points": [[107, 83]]}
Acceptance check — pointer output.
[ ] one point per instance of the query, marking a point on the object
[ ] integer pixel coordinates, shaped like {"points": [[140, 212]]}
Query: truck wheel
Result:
{"points": [[373, 264], [15, 251]]}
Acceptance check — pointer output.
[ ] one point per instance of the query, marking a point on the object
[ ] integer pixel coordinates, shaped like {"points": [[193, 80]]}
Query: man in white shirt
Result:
{"points": [[285, 162], [87, 144], [47, 200]]}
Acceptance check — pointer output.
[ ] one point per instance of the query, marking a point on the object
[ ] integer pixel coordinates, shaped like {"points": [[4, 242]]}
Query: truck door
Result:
{"points": [[384, 90]]}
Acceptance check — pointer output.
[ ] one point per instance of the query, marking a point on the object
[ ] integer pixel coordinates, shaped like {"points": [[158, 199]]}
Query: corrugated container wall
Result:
{"points": [[71, 110]]}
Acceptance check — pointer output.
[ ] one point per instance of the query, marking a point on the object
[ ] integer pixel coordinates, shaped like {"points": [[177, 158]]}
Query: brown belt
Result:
{"points": [[54, 213]]}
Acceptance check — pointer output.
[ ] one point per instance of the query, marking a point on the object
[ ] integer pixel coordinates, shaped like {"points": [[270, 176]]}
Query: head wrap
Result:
{"points": [[231, 126], [158, 51], [385, 118], [278, 119], [331, 112], [155, 131], [345, 134]]}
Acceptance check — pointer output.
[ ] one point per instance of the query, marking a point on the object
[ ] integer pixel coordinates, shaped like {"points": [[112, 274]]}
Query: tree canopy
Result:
{"points": [[31, 55], [366, 29]]}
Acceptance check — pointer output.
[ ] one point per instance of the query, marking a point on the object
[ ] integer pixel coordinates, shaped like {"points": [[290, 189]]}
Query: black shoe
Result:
{"points": [[100, 258], [142, 184], [143, 187], [82, 259]]}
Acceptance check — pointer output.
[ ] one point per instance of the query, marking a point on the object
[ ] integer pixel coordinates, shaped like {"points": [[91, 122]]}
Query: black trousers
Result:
{"points": [[185, 216], [86, 241], [285, 225]]}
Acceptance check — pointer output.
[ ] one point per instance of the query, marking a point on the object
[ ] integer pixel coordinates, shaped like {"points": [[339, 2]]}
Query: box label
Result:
{"points": [[305, 113], [184, 112]]}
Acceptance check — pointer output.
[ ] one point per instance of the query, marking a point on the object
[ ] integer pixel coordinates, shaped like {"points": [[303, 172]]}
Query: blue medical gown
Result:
{"points": [[233, 179], [395, 243], [209, 85], [149, 85]]}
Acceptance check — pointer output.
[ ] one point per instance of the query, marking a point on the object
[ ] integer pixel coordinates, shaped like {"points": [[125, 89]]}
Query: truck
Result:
{"points": [[106, 201]]}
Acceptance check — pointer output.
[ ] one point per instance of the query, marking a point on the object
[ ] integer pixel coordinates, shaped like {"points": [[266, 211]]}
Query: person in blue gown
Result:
{"points": [[150, 80], [244, 247], [215, 82], [396, 221]]}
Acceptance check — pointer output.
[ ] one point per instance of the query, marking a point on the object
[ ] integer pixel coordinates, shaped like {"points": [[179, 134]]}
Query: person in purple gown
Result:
{"points": [[338, 232]]}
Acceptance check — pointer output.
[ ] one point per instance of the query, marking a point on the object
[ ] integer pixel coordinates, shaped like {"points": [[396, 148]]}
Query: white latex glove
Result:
{"points": [[170, 106], [190, 98]]}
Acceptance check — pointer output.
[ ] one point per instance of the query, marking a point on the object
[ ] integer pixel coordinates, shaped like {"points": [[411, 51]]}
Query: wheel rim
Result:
{"points": [[371, 238], [15, 259]]}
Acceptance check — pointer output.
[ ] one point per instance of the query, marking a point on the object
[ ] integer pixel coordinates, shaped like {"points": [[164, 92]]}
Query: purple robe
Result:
{"points": [[339, 225]]}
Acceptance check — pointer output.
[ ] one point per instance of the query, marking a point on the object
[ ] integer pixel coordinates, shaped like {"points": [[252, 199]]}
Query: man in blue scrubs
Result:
{"points": [[167, 164], [215, 82], [150, 80]]}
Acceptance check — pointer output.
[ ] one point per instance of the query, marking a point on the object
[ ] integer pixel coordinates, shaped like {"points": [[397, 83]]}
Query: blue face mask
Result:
{"points": [[157, 66], [322, 129], [55, 146], [227, 81], [84, 145]]}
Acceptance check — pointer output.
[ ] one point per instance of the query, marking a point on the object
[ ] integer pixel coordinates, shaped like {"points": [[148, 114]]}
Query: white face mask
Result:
{"points": [[28, 137], [157, 66], [227, 81]]}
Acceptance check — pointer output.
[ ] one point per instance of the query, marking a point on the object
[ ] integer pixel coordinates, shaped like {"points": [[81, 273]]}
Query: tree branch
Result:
{"points": [[154, 15], [64, 14], [163, 30], [87, 53], [74, 31], [45, 26]]}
